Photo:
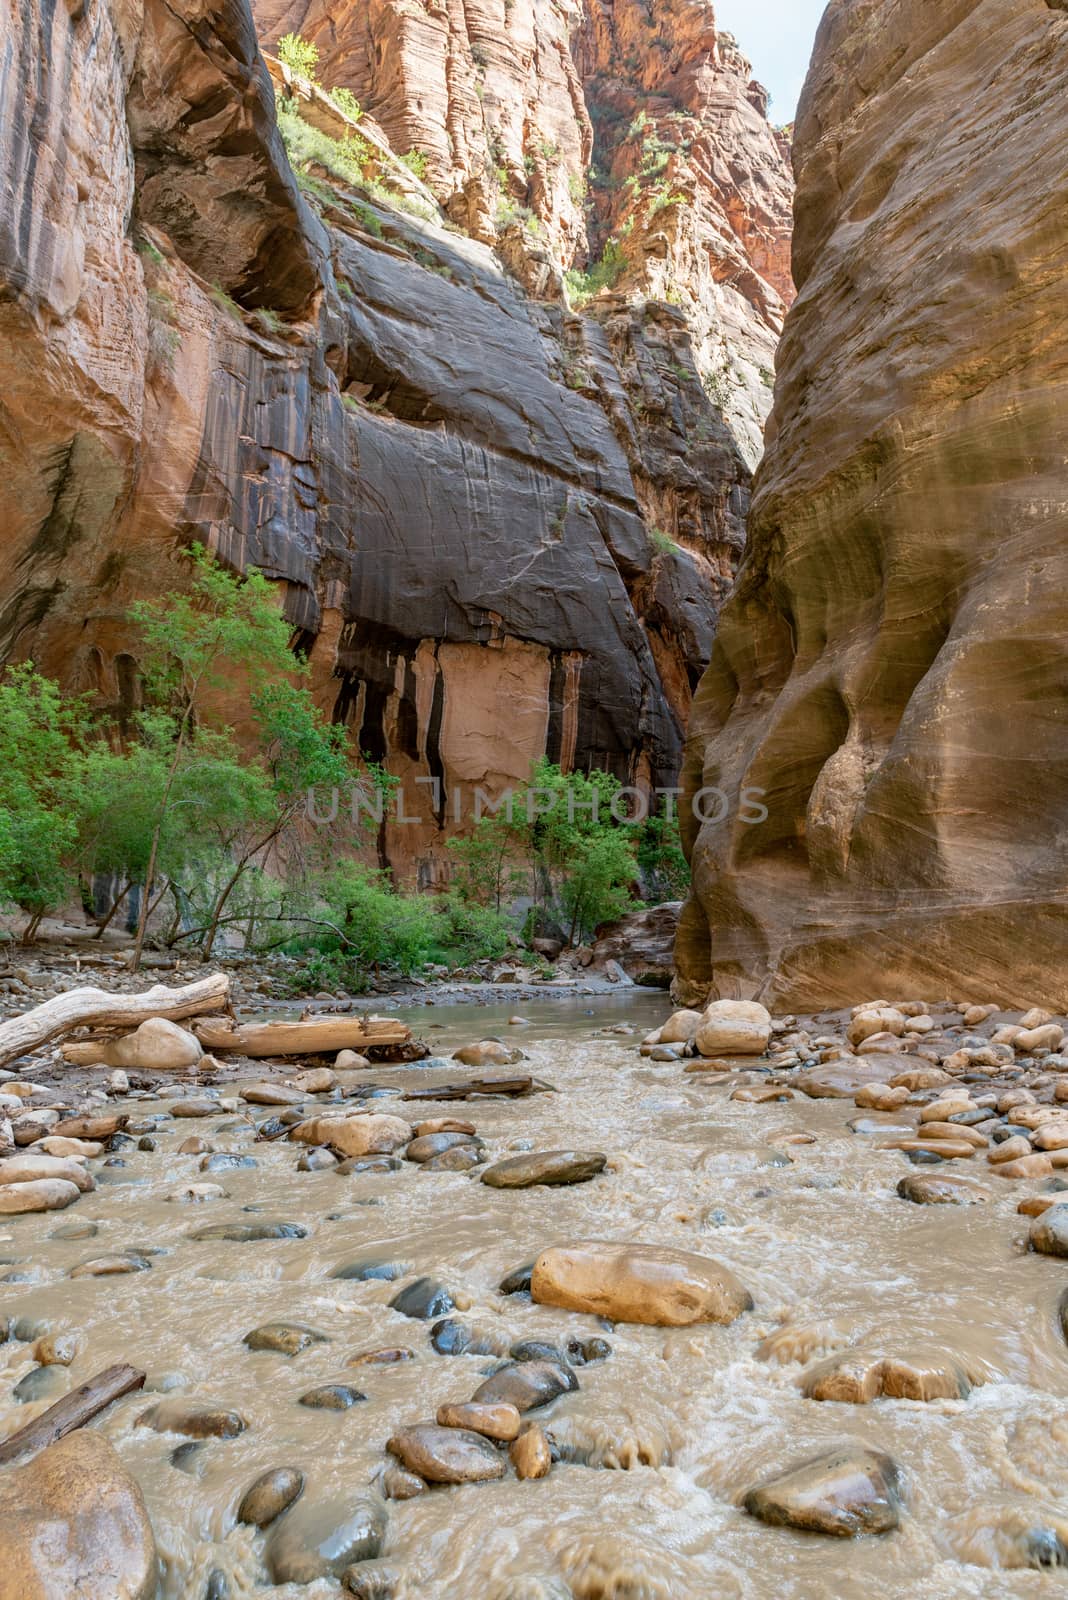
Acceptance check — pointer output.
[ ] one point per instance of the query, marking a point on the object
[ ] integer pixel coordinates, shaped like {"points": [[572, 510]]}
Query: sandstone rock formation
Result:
{"points": [[501, 528], [73, 1522], [891, 667]]}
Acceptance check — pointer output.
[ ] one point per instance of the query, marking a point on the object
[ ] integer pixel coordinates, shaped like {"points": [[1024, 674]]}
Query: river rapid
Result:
{"points": [[662, 1438]]}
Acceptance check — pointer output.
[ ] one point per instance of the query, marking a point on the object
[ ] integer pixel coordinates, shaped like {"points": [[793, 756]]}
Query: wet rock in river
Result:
{"points": [[193, 1146], [350, 1061], [73, 1523], [56, 1349], [442, 1125], [1049, 1232], [526, 1385], [732, 1027], [487, 1053], [423, 1299], [373, 1133], [320, 1538], [846, 1492], [287, 1338], [428, 1145], [40, 1383], [638, 1283], [195, 1108], [544, 1167], [518, 1280], [42, 1194], [332, 1397], [227, 1161], [460, 1158], [500, 1421], [250, 1232], [371, 1582], [530, 1454], [446, 1455], [371, 1268], [31, 1167], [400, 1484], [318, 1160], [857, 1377], [111, 1266], [928, 1189], [196, 1419], [269, 1495], [317, 1080], [388, 1356], [196, 1194], [271, 1094], [368, 1164]]}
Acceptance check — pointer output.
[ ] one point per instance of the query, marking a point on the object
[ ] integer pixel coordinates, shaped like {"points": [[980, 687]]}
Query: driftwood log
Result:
{"points": [[315, 1036], [73, 1411], [80, 1008]]}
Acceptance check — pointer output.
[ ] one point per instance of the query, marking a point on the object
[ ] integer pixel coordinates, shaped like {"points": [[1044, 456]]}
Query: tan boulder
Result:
{"points": [[843, 1078], [40, 1194], [879, 1097], [73, 1526], [157, 1045], [733, 1028], [679, 1028], [317, 1080], [373, 1134], [1036, 1017], [29, 1167], [638, 1283], [1032, 1166], [1050, 1136], [875, 1019], [53, 1145], [1048, 1037], [487, 1053], [350, 1061]]}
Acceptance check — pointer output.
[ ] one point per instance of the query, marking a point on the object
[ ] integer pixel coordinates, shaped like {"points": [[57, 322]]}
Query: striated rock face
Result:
{"points": [[501, 528], [892, 666]]}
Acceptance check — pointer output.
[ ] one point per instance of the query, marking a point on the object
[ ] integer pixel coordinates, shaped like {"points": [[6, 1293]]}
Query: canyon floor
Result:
{"points": [[862, 1285]]}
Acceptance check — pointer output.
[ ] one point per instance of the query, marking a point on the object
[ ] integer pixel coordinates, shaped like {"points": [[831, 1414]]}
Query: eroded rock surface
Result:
{"points": [[500, 528], [889, 668]]}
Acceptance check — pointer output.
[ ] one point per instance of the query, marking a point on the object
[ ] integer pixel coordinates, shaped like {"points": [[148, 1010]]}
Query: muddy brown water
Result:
{"points": [[673, 1427]]}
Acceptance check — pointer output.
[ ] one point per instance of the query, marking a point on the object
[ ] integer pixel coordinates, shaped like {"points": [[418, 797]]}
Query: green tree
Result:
{"points": [[195, 645], [665, 873], [42, 792]]}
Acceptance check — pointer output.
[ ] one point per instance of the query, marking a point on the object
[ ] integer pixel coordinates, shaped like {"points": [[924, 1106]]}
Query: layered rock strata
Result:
{"points": [[891, 669]]}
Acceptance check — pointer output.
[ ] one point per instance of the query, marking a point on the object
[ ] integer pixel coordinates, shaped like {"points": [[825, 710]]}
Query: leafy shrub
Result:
{"points": [[299, 55]]}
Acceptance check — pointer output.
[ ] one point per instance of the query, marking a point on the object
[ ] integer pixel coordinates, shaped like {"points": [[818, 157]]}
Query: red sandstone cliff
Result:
{"points": [[500, 526], [892, 666]]}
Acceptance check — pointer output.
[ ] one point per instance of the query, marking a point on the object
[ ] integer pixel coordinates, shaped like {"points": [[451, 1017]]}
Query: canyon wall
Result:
{"points": [[500, 527], [892, 669]]}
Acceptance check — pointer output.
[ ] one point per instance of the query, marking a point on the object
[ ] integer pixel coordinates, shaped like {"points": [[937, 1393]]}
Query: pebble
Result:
{"points": [[461, 1158], [400, 1484], [428, 1145], [387, 1356], [227, 1161], [332, 1397], [371, 1268], [928, 1190], [111, 1266], [319, 1160], [530, 1454], [287, 1338]]}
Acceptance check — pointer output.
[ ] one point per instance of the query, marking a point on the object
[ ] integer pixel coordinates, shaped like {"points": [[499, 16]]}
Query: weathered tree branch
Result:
{"points": [[97, 1008]]}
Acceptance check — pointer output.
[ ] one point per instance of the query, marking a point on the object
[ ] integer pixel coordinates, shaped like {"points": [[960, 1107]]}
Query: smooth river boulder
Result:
{"points": [[733, 1028], [545, 1167], [638, 1283], [319, 1538], [446, 1455], [41, 1194], [374, 1134], [845, 1492], [73, 1526]]}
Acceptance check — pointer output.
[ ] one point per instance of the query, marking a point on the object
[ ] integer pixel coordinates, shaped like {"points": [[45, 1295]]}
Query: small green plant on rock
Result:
{"points": [[299, 55]]}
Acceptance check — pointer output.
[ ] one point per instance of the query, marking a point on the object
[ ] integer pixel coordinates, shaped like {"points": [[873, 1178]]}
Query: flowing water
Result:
{"points": [[665, 1435]]}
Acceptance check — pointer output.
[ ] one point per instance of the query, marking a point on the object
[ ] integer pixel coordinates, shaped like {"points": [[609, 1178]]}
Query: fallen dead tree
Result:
{"points": [[73, 1411], [313, 1036], [96, 1008]]}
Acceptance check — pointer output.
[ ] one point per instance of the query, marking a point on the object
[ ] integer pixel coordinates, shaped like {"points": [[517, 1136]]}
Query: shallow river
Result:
{"points": [[675, 1425]]}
